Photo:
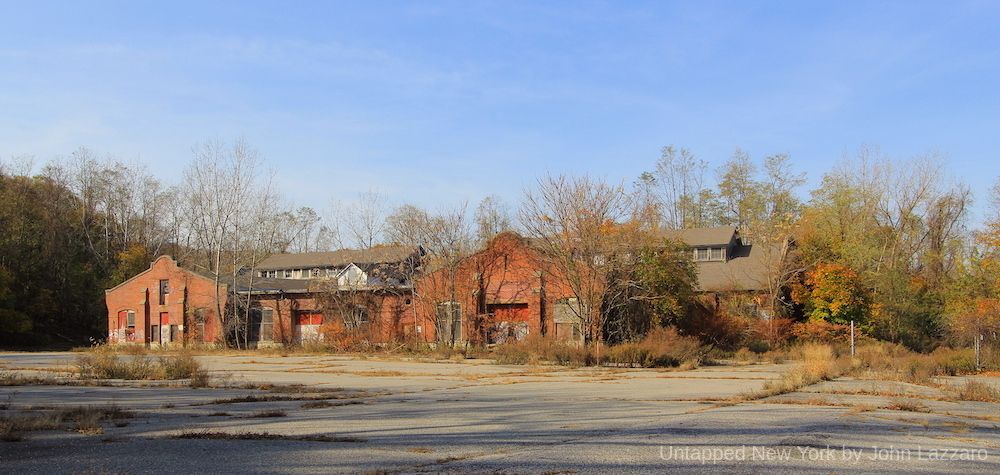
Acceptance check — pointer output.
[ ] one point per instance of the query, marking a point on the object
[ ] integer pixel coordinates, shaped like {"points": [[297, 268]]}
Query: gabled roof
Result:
{"points": [[748, 268], [171, 259], [339, 258], [695, 237]]}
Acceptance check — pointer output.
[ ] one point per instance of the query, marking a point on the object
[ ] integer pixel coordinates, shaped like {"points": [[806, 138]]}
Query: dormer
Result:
{"points": [[352, 276], [711, 253]]}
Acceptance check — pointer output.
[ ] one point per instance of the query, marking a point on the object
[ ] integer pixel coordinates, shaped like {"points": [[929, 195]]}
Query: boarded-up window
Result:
{"points": [[449, 322], [199, 322], [567, 331], [568, 315], [308, 317]]}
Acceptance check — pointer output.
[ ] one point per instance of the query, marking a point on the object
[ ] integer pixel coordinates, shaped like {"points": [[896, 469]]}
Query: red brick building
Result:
{"points": [[299, 297], [165, 305], [502, 293]]}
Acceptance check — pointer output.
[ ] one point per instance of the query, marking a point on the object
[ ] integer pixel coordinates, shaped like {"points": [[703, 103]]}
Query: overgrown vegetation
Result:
{"points": [[661, 347], [264, 436], [977, 391], [818, 363], [106, 363], [83, 419]]}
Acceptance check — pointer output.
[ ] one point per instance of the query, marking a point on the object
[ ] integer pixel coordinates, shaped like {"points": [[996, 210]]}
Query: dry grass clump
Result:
{"points": [[819, 363], [13, 378], [83, 419], [326, 403], [662, 347], [106, 364], [537, 349], [906, 405], [264, 436], [976, 391], [889, 361], [268, 413]]}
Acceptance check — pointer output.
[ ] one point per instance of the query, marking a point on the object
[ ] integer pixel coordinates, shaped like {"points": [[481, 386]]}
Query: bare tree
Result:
{"points": [[228, 198], [679, 179], [364, 220], [581, 226], [492, 218], [408, 225], [447, 238]]}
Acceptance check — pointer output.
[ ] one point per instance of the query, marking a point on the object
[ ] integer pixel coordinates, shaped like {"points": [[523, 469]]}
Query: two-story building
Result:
{"points": [[299, 297], [166, 305]]}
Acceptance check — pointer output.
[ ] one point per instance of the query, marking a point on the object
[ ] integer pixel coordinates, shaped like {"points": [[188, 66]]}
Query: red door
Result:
{"points": [[512, 312]]}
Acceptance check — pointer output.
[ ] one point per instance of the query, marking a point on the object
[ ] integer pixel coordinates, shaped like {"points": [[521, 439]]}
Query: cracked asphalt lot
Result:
{"points": [[323, 414]]}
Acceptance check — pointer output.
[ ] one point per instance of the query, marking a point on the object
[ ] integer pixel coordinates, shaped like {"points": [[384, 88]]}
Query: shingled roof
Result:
{"points": [[695, 237], [338, 258], [747, 269]]}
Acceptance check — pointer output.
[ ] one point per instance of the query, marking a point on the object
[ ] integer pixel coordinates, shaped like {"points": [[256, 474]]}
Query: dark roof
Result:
{"points": [[747, 268], [268, 285], [694, 237], [339, 258]]}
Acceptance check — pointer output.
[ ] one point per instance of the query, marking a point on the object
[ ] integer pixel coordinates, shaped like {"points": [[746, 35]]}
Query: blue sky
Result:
{"points": [[439, 102]]}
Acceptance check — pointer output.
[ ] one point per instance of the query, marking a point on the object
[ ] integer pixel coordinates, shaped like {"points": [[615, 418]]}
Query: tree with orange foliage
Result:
{"points": [[833, 293]]}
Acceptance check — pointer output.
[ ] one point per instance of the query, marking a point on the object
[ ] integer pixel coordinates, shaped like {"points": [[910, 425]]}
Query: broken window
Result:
{"points": [[164, 290], [131, 318], [356, 317], [449, 322], [266, 324], [199, 321]]}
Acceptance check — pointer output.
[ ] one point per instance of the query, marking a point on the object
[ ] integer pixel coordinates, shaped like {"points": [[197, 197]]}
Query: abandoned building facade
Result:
{"points": [[502, 293], [166, 305]]}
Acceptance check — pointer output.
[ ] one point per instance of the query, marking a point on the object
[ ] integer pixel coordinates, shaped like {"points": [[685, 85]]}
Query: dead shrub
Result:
{"points": [[819, 363], [84, 419], [906, 405], [512, 354], [264, 436], [821, 331], [108, 365], [662, 347], [883, 360], [268, 413], [13, 378], [977, 391], [180, 366], [774, 332]]}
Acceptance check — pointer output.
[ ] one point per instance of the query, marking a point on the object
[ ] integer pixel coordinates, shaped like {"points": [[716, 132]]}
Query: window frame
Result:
{"points": [[164, 290], [721, 254], [267, 323]]}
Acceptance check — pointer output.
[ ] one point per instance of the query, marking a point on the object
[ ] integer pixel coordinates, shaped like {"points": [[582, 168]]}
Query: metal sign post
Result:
{"points": [[852, 338]]}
